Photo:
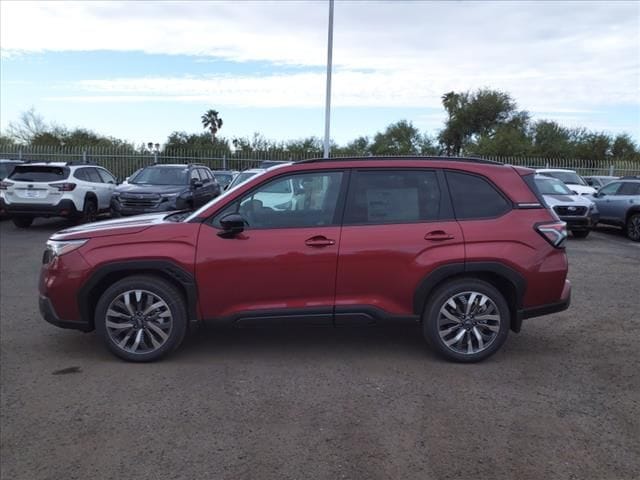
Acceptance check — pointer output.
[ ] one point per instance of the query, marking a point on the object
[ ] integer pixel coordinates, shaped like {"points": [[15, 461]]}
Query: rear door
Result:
{"points": [[606, 200], [398, 227]]}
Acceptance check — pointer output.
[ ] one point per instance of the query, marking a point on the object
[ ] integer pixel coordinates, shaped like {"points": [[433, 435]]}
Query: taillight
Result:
{"points": [[554, 232], [4, 185], [63, 187]]}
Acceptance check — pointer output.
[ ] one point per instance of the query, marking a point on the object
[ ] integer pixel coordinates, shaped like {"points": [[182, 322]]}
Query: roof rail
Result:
{"points": [[404, 157]]}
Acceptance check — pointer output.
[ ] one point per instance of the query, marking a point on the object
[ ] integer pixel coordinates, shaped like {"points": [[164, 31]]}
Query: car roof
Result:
{"points": [[9, 160], [544, 170]]}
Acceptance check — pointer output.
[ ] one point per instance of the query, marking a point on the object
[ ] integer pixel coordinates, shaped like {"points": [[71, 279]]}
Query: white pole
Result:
{"points": [[327, 110]]}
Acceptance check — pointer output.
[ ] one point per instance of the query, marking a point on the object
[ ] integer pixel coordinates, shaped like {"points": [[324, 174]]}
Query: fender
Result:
{"points": [[428, 283], [165, 268]]}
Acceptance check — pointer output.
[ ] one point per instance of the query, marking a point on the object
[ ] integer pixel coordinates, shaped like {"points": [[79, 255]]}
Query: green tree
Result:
{"points": [[508, 139], [400, 138], [7, 141], [195, 141], [211, 120], [27, 127], [624, 148], [551, 140]]}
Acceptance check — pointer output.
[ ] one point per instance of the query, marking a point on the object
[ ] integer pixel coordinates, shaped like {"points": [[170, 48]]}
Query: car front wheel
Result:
{"points": [[466, 320], [141, 318], [633, 227]]}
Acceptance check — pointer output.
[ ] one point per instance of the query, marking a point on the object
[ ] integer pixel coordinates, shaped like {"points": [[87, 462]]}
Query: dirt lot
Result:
{"points": [[561, 400]]}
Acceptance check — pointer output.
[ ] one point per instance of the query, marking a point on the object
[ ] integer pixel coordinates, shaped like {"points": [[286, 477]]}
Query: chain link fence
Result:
{"points": [[123, 162]]}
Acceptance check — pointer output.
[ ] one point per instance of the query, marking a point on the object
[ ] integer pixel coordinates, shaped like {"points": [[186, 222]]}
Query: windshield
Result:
{"points": [[223, 179], [161, 176], [570, 178], [242, 177], [39, 173], [552, 186]]}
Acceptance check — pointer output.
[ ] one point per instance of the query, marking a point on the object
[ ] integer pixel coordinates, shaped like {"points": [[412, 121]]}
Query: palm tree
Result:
{"points": [[213, 122]]}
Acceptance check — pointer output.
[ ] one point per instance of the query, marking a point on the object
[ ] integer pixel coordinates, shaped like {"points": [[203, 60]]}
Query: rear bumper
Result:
{"points": [[547, 309], [49, 314], [65, 208]]}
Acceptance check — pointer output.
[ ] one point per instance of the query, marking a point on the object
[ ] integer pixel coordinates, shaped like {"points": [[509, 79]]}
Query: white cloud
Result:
{"points": [[551, 56]]}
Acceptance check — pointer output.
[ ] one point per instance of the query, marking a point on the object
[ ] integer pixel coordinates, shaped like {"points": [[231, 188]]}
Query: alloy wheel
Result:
{"points": [[633, 228], [468, 322], [138, 321]]}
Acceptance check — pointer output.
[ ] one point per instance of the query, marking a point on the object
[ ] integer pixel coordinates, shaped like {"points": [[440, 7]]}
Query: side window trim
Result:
{"points": [[445, 208]]}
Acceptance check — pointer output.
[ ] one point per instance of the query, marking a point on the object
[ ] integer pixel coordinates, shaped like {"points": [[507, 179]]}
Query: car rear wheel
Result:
{"points": [[633, 227], [89, 212], [580, 233], [141, 318], [466, 320], [22, 222]]}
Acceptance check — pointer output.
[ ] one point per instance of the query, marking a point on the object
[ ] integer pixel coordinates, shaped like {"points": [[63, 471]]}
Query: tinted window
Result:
{"points": [[475, 197], [390, 196], [81, 174], [93, 175], [194, 174], [629, 188], [570, 178], [33, 173], [106, 176], [223, 178], [203, 175], [552, 186], [161, 176], [312, 202], [610, 189], [6, 168]]}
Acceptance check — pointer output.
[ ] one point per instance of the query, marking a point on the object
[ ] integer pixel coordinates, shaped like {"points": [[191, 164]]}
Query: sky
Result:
{"points": [[139, 70]]}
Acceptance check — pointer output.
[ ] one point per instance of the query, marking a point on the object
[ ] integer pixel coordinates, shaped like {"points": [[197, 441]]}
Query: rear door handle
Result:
{"points": [[438, 235], [319, 241]]}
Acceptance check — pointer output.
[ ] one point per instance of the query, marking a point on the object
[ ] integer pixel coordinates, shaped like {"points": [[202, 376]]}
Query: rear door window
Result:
{"points": [[392, 197], [93, 175], [629, 188], [106, 176], [610, 189], [475, 197], [39, 173]]}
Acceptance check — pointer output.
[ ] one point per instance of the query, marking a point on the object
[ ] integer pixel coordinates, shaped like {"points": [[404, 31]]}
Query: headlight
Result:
{"points": [[55, 248]]}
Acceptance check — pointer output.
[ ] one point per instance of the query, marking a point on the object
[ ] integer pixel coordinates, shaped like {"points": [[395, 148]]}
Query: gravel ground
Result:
{"points": [[560, 400]]}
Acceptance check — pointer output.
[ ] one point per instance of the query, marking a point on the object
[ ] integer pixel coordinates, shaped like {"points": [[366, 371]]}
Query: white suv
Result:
{"points": [[570, 178], [76, 191]]}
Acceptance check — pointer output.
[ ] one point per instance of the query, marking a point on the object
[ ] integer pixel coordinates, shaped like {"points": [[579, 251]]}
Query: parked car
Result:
{"points": [[56, 189], [162, 188], [619, 205], [465, 249], [7, 166], [579, 212], [244, 176], [574, 181], [599, 181], [224, 177]]}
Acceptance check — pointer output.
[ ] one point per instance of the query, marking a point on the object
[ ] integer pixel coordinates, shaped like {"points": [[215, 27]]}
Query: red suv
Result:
{"points": [[465, 248]]}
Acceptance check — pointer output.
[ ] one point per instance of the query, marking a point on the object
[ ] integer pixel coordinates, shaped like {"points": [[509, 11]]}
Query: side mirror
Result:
{"points": [[195, 183], [232, 225]]}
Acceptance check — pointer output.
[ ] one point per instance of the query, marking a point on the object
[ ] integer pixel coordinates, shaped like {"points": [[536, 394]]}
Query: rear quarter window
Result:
{"points": [[475, 197], [32, 173]]}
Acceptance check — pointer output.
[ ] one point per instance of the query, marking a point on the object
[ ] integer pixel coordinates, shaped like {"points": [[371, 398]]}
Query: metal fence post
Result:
{"points": [[224, 161], [20, 154], [611, 169], [155, 157], [84, 156]]}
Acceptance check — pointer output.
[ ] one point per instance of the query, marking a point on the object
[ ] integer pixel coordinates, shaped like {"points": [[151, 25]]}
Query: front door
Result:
{"points": [[283, 265]]}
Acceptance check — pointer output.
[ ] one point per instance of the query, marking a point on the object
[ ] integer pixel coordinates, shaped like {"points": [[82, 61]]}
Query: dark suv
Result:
{"points": [[466, 249], [162, 188]]}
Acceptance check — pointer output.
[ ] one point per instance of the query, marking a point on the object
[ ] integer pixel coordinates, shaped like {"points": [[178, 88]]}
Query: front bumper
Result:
{"points": [[49, 314], [581, 223], [167, 206], [65, 208]]}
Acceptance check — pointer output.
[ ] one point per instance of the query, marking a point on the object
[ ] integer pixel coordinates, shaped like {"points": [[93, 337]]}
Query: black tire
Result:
{"points": [[89, 211], [580, 233], [159, 288], [633, 227], [432, 327], [22, 222]]}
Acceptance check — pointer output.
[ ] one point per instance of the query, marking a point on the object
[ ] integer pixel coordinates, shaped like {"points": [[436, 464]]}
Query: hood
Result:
{"points": [[106, 228], [581, 189], [573, 200], [158, 189]]}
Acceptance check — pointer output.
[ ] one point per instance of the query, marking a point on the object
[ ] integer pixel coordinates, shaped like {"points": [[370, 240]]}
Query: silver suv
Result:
{"points": [[619, 205], [55, 189]]}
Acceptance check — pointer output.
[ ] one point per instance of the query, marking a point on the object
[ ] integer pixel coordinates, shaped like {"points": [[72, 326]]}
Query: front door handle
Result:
{"points": [[438, 235], [319, 241]]}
